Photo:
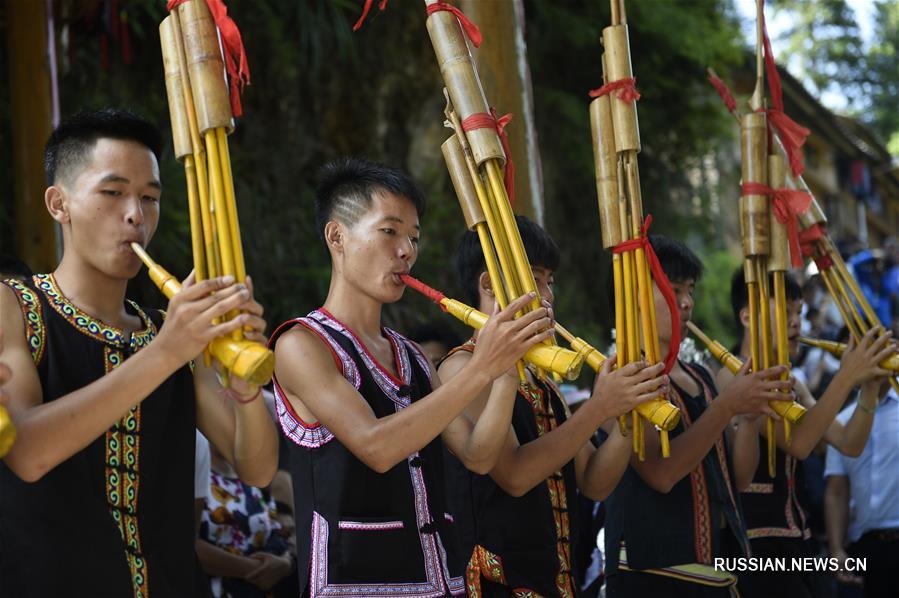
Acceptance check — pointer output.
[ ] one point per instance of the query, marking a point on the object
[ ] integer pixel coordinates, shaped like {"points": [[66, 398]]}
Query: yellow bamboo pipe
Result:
{"points": [[782, 345], [240, 270], [835, 348], [7, 432], [666, 416], [248, 360], [791, 411], [554, 359]]}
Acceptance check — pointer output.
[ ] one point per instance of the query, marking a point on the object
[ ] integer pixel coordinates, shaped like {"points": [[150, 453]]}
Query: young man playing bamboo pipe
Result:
{"points": [[522, 516], [775, 521], [668, 519], [364, 412], [97, 492]]}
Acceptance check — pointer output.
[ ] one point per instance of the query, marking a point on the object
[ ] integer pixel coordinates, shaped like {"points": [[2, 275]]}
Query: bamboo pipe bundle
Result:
{"points": [[200, 112], [837, 349], [7, 432], [469, 193], [651, 410], [253, 360], [616, 143], [485, 201], [793, 412], [563, 362]]}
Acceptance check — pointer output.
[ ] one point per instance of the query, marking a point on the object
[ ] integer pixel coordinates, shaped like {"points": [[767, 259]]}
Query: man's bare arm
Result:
{"points": [[50, 433]]}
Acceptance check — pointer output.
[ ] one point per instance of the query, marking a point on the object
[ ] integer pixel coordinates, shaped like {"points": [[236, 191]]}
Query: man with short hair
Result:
{"points": [[96, 494], [669, 519], [775, 521], [364, 412], [519, 522]]}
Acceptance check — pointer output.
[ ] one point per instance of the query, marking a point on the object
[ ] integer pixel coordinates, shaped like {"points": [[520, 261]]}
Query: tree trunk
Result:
{"points": [[506, 77], [29, 79]]}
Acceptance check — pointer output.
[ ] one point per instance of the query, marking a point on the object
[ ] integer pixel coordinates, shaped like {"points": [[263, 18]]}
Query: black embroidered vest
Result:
{"points": [[772, 504], [523, 543], [359, 532], [116, 519], [681, 527]]}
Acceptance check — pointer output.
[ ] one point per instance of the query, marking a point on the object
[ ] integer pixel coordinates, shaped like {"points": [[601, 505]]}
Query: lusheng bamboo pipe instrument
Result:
{"points": [[200, 110], [250, 361], [7, 432], [793, 412], [650, 410], [476, 156], [563, 362], [837, 349], [616, 142]]}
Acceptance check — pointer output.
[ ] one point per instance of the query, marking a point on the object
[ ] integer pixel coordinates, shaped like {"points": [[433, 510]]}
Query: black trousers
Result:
{"points": [[881, 550], [634, 584]]}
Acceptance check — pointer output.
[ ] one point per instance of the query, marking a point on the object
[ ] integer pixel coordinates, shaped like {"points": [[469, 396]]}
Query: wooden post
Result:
{"points": [[30, 103], [506, 78]]}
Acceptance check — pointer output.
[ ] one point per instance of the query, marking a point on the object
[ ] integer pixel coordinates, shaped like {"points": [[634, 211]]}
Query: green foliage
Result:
{"points": [[713, 313], [320, 91]]}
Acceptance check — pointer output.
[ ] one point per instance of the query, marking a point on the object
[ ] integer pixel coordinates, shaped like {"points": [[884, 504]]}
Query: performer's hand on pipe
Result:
{"points": [[861, 361], [622, 389], [189, 326], [505, 339], [748, 394]]}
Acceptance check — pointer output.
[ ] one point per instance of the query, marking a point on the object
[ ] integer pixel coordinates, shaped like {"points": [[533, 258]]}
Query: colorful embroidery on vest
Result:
{"points": [[35, 333], [547, 422], [123, 484], [433, 552]]}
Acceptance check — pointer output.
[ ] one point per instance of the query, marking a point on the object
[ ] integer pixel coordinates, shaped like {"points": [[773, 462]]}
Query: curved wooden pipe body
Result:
{"points": [[248, 360], [835, 348]]}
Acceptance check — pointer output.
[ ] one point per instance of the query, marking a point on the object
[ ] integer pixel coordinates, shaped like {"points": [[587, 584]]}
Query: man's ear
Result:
{"points": [[744, 317], [485, 285], [334, 236], [55, 200]]}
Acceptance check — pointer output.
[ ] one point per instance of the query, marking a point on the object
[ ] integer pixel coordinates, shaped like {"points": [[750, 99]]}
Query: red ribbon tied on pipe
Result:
{"points": [[235, 54], [482, 120], [470, 29], [809, 237], [724, 92], [787, 204], [626, 88], [661, 279], [792, 134], [429, 292], [366, 9]]}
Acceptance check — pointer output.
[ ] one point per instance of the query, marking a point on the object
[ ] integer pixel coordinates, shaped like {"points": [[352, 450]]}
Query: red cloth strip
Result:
{"points": [[724, 92], [787, 205], [482, 120], [809, 237], [432, 294], [792, 134], [365, 10], [661, 279], [823, 262], [626, 88], [235, 55], [470, 29]]}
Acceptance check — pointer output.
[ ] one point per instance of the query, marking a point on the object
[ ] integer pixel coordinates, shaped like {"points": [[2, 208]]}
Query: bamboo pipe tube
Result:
{"points": [[467, 194], [835, 348], [507, 279], [555, 359], [666, 416], [175, 80], [462, 82], [248, 360], [794, 412], [778, 264], [7, 432]]}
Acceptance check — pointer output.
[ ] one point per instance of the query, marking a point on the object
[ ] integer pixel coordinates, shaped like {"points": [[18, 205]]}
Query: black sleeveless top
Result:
{"points": [[115, 519], [772, 504], [360, 532], [683, 526], [525, 542]]}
